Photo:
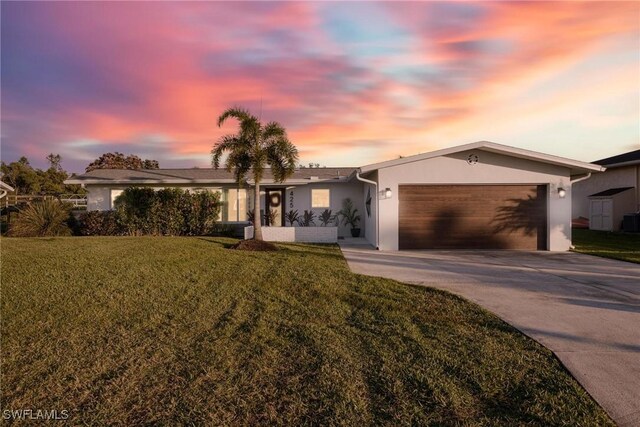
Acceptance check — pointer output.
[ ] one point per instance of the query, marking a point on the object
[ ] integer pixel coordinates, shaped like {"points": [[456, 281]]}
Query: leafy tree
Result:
{"points": [[254, 147], [27, 180], [120, 161], [54, 161], [52, 181], [150, 164], [21, 176]]}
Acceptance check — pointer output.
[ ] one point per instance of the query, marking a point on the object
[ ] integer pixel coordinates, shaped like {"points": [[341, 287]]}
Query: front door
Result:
{"points": [[274, 208]]}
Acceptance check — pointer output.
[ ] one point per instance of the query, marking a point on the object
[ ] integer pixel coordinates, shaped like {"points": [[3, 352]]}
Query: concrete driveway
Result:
{"points": [[585, 309]]}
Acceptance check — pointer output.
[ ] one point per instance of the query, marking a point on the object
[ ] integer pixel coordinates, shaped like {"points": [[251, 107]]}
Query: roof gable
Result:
{"points": [[577, 167]]}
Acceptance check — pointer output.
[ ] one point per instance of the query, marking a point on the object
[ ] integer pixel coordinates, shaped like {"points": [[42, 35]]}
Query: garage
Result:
{"points": [[472, 217]]}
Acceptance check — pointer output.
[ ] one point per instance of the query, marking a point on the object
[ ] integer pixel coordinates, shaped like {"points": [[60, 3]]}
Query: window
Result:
{"points": [[114, 194], [320, 198], [236, 204]]}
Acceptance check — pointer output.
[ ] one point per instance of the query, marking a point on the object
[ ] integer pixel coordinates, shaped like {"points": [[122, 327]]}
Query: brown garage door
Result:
{"points": [[473, 217]]}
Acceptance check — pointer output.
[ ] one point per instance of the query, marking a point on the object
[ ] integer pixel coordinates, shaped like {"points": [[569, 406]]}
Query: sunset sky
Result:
{"points": [[353, 83]]}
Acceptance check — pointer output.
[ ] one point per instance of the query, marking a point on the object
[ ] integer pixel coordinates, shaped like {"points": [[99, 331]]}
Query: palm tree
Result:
{"points": [[254, 148]]}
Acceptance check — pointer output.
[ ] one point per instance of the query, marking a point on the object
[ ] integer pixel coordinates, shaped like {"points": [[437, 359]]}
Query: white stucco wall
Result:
{"points": [[296, 234], [491, 169], [627, 176], [370, 229], [337, 193]]}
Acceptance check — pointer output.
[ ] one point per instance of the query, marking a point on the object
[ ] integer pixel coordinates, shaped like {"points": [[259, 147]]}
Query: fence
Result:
{"points": [[77, 200]]}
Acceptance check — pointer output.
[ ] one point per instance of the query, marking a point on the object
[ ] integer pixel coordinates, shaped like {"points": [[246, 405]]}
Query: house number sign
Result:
{"points": [[291, 199]]}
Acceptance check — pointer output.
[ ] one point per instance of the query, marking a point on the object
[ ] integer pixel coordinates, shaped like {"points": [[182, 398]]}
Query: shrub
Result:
{"points": [[202, 213], [99, 223], [270, 217], [292, 217], [349, 214], [170, 211], [251, 216], [326, 217], [134, 209], [48, 217], [307, 219]]}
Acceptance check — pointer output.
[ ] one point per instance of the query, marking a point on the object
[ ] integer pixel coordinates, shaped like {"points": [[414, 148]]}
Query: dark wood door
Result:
{"points": [[473, 217]]}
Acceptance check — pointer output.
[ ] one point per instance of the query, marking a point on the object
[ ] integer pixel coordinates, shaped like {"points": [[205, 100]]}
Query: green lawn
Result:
{"points": [[622, 246], [181, 331]]}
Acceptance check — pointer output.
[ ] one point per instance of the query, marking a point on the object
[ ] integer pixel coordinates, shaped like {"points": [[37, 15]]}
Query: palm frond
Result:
{"points": [[241, 114], [225, 143], [273, 130], [282, 156]]}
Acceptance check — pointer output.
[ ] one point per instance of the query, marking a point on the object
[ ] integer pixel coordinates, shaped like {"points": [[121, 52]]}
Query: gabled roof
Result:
{"points": [[577, 167], [198, 176], [625, 159], [610, 192]]}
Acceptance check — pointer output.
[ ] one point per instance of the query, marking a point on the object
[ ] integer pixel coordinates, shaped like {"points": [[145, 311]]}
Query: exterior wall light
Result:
{"points": [[387, 193], [562, 193]]}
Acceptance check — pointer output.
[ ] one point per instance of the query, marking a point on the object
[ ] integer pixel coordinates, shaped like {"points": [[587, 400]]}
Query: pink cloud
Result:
{"points": [[118, 72]]}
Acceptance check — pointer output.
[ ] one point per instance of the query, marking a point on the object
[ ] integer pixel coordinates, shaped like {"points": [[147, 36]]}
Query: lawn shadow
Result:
{"points": [[224, 242]]}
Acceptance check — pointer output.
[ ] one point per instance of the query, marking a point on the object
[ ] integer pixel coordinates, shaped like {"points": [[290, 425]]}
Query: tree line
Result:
{"points": [[27, 180]]}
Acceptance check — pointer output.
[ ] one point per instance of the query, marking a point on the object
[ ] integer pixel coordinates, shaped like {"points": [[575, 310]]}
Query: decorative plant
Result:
{"points": [[252, 149], [270, 217], [326, 217], [348, 214], [41, 219], [307, 219], [251, 217], [292, 217]]}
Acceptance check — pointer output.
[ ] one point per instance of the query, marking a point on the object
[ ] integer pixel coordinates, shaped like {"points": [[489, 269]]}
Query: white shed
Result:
{"points": [[607, 208]]}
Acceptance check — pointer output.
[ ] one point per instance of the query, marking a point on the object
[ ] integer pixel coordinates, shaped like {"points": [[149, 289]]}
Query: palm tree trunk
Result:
{"points": [[257, 217]]}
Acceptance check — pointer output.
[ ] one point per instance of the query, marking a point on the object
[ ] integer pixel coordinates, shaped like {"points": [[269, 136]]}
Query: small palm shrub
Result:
{"points": [[326, 217], [46, 218], [349, 214], [292, 217], [270, 217], [307, 219], [251, 217]]}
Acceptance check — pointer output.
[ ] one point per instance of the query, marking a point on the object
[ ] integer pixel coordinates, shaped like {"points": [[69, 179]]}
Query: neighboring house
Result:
{"points": [[481, 195], [4, 189], [604, 198]]}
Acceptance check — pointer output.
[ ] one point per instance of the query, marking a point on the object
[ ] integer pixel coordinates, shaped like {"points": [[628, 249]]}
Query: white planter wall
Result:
{"points": [[296, 234]]}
